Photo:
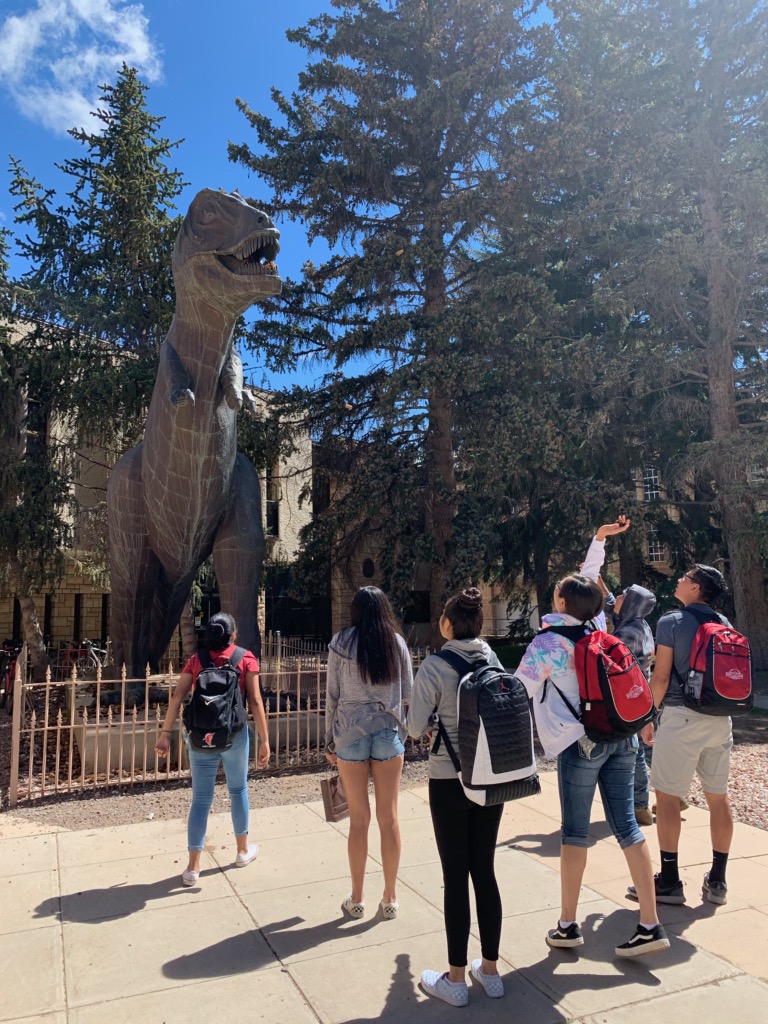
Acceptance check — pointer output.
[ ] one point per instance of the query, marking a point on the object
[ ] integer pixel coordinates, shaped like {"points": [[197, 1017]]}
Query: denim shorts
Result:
{"points": [[609, 766], [378, 746]]}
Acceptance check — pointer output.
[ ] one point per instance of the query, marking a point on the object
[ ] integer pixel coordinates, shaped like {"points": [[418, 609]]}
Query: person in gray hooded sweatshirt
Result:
{"points": [[465, 832], [627, 613]]}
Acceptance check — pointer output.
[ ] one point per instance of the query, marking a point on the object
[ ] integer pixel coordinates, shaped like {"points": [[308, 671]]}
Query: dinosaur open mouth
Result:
{"points": [[255, 256]]}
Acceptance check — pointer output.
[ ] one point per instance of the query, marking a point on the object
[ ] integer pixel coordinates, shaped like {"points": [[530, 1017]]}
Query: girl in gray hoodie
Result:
{"points": [[465, 832]]}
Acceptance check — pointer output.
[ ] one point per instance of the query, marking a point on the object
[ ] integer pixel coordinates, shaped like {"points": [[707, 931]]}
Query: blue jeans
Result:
{"points": [[611, 766], [378, 746], [205, 765], [641, 775]]}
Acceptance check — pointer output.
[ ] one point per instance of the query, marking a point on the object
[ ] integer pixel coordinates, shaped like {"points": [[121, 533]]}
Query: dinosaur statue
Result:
{"points": [[185, 491]]}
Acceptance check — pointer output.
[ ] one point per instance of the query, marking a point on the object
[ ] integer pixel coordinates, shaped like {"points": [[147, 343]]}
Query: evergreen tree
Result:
{"points": [[33, 509], [91, 312], [660, 110], [99, 279], [404, 137]]}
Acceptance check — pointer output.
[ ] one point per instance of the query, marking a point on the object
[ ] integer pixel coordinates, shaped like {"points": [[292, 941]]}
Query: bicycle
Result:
{"points": [[9, 653], [88, 663]]}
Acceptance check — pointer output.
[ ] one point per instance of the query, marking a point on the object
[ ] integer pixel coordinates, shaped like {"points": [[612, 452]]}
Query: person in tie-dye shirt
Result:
{"points": [[548, 673]]}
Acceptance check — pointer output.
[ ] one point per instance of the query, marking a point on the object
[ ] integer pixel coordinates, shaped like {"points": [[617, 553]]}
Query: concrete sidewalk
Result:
{"points": [[95, 927]]}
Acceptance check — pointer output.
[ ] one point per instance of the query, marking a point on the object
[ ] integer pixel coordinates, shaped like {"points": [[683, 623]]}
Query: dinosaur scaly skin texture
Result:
{"points": [[185, 491]]}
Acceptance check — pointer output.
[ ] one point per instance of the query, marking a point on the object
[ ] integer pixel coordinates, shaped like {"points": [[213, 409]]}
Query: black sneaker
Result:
{"points": [[716, 892], [666, 892], [645, 940], [565, 938]]}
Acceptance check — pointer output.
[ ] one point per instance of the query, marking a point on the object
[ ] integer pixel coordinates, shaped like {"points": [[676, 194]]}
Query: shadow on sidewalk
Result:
{"points": [[601, 934], [91, 906], [226, 957]]}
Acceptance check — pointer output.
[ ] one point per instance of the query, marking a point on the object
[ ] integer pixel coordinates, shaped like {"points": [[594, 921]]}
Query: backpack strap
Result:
{"points": [[701, 618], [458, 663], [237, 656], [573, 634], [204, 656], [563, 698]]}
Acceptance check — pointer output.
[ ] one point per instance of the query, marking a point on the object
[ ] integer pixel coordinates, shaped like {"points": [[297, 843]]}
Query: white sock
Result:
{"points": [[454, 982], [565, 924], [649, 927]]}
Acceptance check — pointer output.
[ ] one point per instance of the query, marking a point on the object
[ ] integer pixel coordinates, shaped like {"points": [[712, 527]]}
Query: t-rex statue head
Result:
{"points": [[224, 253]]}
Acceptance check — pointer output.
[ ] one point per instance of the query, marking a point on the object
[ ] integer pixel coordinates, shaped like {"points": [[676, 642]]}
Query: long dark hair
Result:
{"points": [[219, 631], [374, 622]]}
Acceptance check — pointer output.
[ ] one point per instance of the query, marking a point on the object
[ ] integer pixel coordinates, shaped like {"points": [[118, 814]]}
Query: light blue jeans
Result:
{"points": [[205, 765]]}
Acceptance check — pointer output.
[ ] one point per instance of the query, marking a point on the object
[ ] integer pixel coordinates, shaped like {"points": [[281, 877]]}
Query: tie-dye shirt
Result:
{"points": [[550, 656]]}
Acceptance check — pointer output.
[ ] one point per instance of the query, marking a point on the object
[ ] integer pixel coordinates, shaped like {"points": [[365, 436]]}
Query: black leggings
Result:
{"points": [[466, 841]]}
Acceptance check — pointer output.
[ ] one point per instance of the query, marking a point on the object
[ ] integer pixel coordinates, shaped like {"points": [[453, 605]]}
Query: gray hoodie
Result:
{"points": [[630, 625], [435, 686], [355, 708]]}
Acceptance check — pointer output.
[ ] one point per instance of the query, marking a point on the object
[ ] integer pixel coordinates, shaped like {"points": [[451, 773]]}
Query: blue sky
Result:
{"points": [[196, 56]]}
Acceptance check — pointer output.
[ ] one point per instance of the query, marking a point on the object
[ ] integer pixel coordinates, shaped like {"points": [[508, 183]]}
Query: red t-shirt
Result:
{"points": [[249, 663]]}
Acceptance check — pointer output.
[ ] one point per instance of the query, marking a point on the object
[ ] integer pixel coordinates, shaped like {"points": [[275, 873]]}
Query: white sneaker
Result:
{"points": [[243, 859], [356, 910], [190, 878], [492, 983], [436, 984]]}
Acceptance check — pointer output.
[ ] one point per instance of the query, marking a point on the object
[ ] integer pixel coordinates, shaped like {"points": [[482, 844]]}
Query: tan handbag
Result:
{"points": [[334, 798]]}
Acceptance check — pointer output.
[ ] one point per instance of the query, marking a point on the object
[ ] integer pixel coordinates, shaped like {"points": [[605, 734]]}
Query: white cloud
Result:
{"points": [[56, 55]]}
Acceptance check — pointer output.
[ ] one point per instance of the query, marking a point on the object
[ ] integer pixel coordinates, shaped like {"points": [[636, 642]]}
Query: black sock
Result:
{"points": [[669, 872], [719, 862]]}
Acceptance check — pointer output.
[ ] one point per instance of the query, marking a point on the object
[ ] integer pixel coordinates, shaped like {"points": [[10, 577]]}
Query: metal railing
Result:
{"points": [[76, 735]]}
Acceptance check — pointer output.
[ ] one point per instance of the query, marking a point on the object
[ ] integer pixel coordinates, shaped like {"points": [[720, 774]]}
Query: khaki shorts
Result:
{"points": [[689, 742]]}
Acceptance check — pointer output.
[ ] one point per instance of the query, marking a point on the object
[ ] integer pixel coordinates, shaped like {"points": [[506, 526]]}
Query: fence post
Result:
{"points": [[18, 704]]}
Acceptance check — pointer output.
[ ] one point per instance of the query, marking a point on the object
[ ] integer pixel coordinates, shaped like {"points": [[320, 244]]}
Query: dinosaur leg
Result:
{"points": [[170, 598], [133, 567], [238, 553]]}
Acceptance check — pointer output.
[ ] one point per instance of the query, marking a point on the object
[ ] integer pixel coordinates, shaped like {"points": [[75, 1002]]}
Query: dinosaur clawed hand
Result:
{"points": [[182, 396]]}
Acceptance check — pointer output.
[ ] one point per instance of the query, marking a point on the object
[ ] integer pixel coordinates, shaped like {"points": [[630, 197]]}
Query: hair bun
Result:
{"points": [[470, 599], [216, 629]]}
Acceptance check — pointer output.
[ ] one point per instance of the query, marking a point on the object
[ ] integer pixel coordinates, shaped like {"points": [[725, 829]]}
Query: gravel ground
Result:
{"points": [[748, 790]]}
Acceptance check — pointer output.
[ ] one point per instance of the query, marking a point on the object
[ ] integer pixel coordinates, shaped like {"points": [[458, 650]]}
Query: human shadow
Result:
{"points": [[403, 1004], [545, 844], [277, 940], [602, 932], [92, 906]]}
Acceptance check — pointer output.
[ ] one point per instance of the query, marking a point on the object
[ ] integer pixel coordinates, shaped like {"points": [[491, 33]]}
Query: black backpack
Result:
{"points": [[216, 711], [495, 760]]}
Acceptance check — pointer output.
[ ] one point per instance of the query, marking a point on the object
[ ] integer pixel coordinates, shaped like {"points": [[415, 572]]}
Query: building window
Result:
{"points": [[273, 504], [369, 569], [657, 551], [758, 474], [651, 483]]}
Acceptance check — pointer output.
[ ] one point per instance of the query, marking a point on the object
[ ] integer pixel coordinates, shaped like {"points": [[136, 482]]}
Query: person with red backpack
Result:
{"points": [[702, 676], [565, 670]]}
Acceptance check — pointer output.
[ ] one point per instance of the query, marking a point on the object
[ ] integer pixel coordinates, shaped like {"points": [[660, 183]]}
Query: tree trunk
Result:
{"points": [[441, 496], [32, 634], [736, 502]]}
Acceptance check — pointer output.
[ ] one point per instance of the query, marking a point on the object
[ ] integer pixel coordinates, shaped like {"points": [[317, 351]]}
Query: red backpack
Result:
{"points": [[719, 680], [616, 698]]}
